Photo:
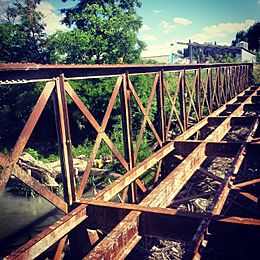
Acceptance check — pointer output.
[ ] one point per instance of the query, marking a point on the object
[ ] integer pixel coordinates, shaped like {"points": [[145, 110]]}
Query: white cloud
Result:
{"points": [[145, 28], [182, 21], [148, 38], [51, 19], [157, 11], [258, 2], [160, 49], [221, 30], [166, 27]]}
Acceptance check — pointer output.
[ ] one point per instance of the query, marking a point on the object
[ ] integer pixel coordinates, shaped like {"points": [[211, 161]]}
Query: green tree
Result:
{"points": [[109, 31], [22, 37], [240, 36], [70, 47], [252, 36]]}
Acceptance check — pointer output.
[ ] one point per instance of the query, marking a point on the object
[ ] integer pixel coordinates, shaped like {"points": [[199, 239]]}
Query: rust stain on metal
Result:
{"points": [[226, 86]]}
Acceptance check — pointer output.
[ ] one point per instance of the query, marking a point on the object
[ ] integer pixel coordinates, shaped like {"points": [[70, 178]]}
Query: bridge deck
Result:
{"points": [[100, 228]]}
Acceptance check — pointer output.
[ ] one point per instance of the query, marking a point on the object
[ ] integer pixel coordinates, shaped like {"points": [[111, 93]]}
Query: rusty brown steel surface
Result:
{"points": [[225, 84], [98, 139], [168, 188], [115, 243], [94, 123], [34, 66], [60, 247], [246, 183], [224, 189], [51, 235], [221, 148], [127, 134], [113, 189], [161, 107], [182, 100], [41, 189], [25, 135], [64, 139], [19, 73], [99, 206]]}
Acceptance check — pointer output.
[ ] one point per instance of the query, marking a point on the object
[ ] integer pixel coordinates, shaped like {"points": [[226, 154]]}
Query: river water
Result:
{"points": [[22, 218]]}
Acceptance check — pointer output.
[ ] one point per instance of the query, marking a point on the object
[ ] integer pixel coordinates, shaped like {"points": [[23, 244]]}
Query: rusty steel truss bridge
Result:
{"points": [[205, 102]]}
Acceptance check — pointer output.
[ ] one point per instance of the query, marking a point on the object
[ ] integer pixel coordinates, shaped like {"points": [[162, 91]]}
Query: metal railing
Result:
{"points": [[183, 94]]}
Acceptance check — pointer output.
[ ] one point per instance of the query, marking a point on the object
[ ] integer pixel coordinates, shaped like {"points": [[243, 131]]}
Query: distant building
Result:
{"points": [[207, 52], [211, 52], [244, 54]]}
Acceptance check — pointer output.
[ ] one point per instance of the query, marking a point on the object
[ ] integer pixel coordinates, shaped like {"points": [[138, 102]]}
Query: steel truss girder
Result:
{"points": [[168, 188], [24, 73], [127, 233]]}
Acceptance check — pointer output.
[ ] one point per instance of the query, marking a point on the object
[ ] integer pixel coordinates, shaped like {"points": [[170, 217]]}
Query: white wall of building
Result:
{"points": [[247, 56]]}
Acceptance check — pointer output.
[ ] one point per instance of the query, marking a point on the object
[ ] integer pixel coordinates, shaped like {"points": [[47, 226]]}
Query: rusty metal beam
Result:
{"points": [[25, 134], [235, 121], [108, 213], [222, 148], [169, 187], [245, 183], [41, 189], [118, 185], [221, 195], [253, 107], [50, 236], [209, 174], [118, 244], [188, 198], [64, 140], [249, 196], [24, 73], [127, 132], [134, 220]]}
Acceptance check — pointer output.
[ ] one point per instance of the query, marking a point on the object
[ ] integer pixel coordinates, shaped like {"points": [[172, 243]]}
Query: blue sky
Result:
{"points": [[168, 21]]}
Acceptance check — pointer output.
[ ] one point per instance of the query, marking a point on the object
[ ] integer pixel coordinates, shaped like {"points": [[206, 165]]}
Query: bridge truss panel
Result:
{"points": [[203, 104]]}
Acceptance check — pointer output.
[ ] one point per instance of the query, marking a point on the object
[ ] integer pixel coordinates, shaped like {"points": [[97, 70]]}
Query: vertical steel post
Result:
{"points": [[198, 93], [218, 86], [209, 90], [127, 131], [239, 79], [224, 84], [228, 84], [161, 117], [235, 80], [161, 108], [64, 140], [250, 75], [182, 99], [79, 234], [245, 77]]}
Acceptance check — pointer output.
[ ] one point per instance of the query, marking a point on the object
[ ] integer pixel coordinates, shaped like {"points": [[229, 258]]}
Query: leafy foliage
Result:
{"points": [[22, 37], [252, 36], [110, 29], [70, 47], [101, 32]]}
